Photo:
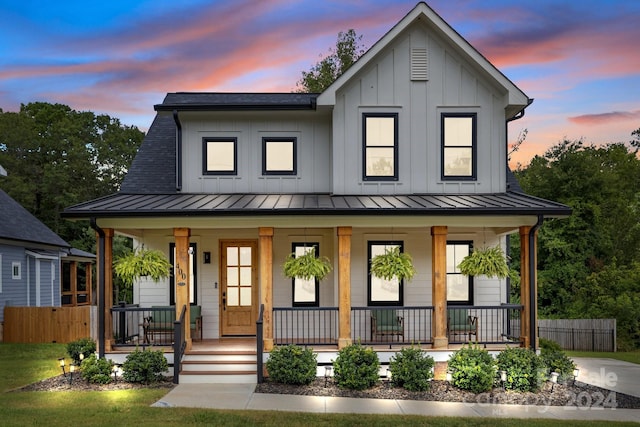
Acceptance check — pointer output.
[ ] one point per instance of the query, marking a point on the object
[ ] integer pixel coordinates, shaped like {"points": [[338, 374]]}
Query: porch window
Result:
{"points": [[219, 156], [16, 270], [381, 291], [306, 293], [459, 146], [193, 288], [459, 286], [380, 146], [279, 156]]}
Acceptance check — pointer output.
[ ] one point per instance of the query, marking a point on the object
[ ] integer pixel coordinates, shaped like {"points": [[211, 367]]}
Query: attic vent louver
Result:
{"points": [[419, 64]]}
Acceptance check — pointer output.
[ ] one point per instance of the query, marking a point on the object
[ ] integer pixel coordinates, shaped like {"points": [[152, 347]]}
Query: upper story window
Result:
{"points": [[459, 146], [459, 286], [16, 270], [380, 146], [306, 292], [279, 156], [381, 291], [219, 156]]}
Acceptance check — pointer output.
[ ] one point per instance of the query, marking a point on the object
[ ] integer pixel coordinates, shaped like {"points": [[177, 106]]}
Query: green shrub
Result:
{"points": [[411, 368], [525, 369], [356, 367], [292, 364], [557, 361], [144, 366], [84, 346], [472, 368], [546, 344], [97, 371]]}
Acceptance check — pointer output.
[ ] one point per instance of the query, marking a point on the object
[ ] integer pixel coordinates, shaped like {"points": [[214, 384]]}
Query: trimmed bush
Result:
{"points": [[411, 368], [144, 366], [97, 371], [356, 367], [292, 364], [472, 368], [84, 346], [525, 369], [549, 345]]}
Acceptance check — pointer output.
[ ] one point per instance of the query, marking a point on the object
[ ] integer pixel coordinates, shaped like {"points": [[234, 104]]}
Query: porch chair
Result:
{"points": [[459, 322], [195, 312], [386, 322]]}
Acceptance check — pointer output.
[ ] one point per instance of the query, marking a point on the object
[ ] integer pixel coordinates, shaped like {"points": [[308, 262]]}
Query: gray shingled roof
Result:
{"points": [[184, 101], [16, 223], [157, 205]]}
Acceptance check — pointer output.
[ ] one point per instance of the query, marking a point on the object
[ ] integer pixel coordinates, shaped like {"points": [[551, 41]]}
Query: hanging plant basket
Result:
{"points": [[490, 262], [393, 264], [307, 266], [140, 263]]}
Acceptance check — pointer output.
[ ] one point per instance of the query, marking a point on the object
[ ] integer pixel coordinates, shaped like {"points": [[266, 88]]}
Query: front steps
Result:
{"points": [[219, 366]]}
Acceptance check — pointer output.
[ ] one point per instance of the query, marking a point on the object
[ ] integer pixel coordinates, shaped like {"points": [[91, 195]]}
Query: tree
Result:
{"points": [[347, 51], [635, 142], [57, 157]]}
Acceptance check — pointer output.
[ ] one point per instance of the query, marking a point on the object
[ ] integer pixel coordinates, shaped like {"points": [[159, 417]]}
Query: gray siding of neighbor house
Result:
{"points": [[14, 292], [453, 86], [311, 128]]}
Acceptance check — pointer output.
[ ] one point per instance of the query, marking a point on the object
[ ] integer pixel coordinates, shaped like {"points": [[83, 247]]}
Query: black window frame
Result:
{"points": [[469, 243], [371, 303], [208, 139], [315, 303], [172, 286], [365, 176], [266, 141], [474, 147]]}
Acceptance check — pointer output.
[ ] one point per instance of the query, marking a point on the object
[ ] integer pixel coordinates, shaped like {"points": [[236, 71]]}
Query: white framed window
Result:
{"points": [[279, 156], [380, 146], [381, 291], [219, 156], [16, 270], [459, 146], [306, 293]]}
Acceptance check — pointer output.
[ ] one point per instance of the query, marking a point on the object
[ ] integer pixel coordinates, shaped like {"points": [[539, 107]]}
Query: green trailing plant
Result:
{"points": [[292, 364], [84, 346], [490, 262], [140, 263], [356, 367], [472, 368], [411, 369], [144, 366], [524, 368], [393, 264], [307, 266], [97, 371]]}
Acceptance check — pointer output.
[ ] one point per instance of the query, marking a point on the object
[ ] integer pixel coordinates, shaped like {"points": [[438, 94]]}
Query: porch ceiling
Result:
{"points": [[509, 209]]}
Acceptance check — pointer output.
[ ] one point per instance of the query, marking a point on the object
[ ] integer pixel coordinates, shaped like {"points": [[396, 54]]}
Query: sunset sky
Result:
{"points": [[579, 60]]}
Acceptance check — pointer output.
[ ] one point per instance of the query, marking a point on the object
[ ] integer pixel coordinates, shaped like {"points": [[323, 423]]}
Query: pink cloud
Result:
{"points": [[605, 118]]}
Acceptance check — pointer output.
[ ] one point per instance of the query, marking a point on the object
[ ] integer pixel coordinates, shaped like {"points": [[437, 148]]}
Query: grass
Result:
{"points": [[21, 364], [626, 356]]}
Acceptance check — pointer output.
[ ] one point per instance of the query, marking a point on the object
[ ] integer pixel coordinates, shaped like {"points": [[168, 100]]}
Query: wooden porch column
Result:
{"points": [[108, 288], [439, 285], [265, 254], [182, 276], [89, 281], [344, 286], [525, 287]]}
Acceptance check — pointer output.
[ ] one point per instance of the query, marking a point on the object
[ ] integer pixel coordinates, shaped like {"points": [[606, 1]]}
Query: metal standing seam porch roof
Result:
{"points": [[162, 205]]}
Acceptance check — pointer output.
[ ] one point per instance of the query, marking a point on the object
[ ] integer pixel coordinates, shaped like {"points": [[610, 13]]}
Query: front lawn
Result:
{"points": [[21, 364]]}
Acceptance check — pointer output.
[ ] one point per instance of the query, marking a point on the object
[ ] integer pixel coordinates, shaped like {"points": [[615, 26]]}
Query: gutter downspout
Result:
{"points": [[178, 150], [101, 249], [533, 297]]}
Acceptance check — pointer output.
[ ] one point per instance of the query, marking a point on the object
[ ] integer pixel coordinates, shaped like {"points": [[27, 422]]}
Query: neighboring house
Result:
{"points": [[408, 148]]}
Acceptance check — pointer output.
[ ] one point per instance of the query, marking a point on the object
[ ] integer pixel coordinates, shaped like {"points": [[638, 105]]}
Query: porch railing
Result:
{"points": [[260, 344], [305, 325], [135, 326], [496, 324], [404, 325], [179, 344]]}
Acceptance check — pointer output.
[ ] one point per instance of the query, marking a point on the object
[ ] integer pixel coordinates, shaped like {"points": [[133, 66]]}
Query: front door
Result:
{"points": [[239, 289]]}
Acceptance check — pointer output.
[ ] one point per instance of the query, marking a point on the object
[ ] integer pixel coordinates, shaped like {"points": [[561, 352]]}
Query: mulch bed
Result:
{"points": [[579, 395], [62, 383]]}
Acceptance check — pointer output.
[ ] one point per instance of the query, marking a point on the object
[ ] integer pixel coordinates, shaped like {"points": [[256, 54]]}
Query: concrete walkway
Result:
{"points": [[242, 396]]}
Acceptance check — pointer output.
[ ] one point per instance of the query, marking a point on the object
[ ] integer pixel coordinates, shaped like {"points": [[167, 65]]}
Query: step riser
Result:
{"points": [[218, 368], [219, 358], [218, 379]]}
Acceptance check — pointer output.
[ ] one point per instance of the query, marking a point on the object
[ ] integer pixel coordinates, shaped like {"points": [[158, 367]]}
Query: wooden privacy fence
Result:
{"points": [[580, 334], [46, 324]]}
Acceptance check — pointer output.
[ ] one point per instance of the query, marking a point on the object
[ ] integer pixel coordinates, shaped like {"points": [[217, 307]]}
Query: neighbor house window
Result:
{"points": [[279, 156], [16, 270], [193, 288], [381, 291], [219, 156], [459, 286], [306, 292], [459, 142], [380, 146]]}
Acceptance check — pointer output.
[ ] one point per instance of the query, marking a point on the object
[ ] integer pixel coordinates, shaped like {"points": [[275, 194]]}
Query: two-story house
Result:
{"points": [[408, 148]]}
